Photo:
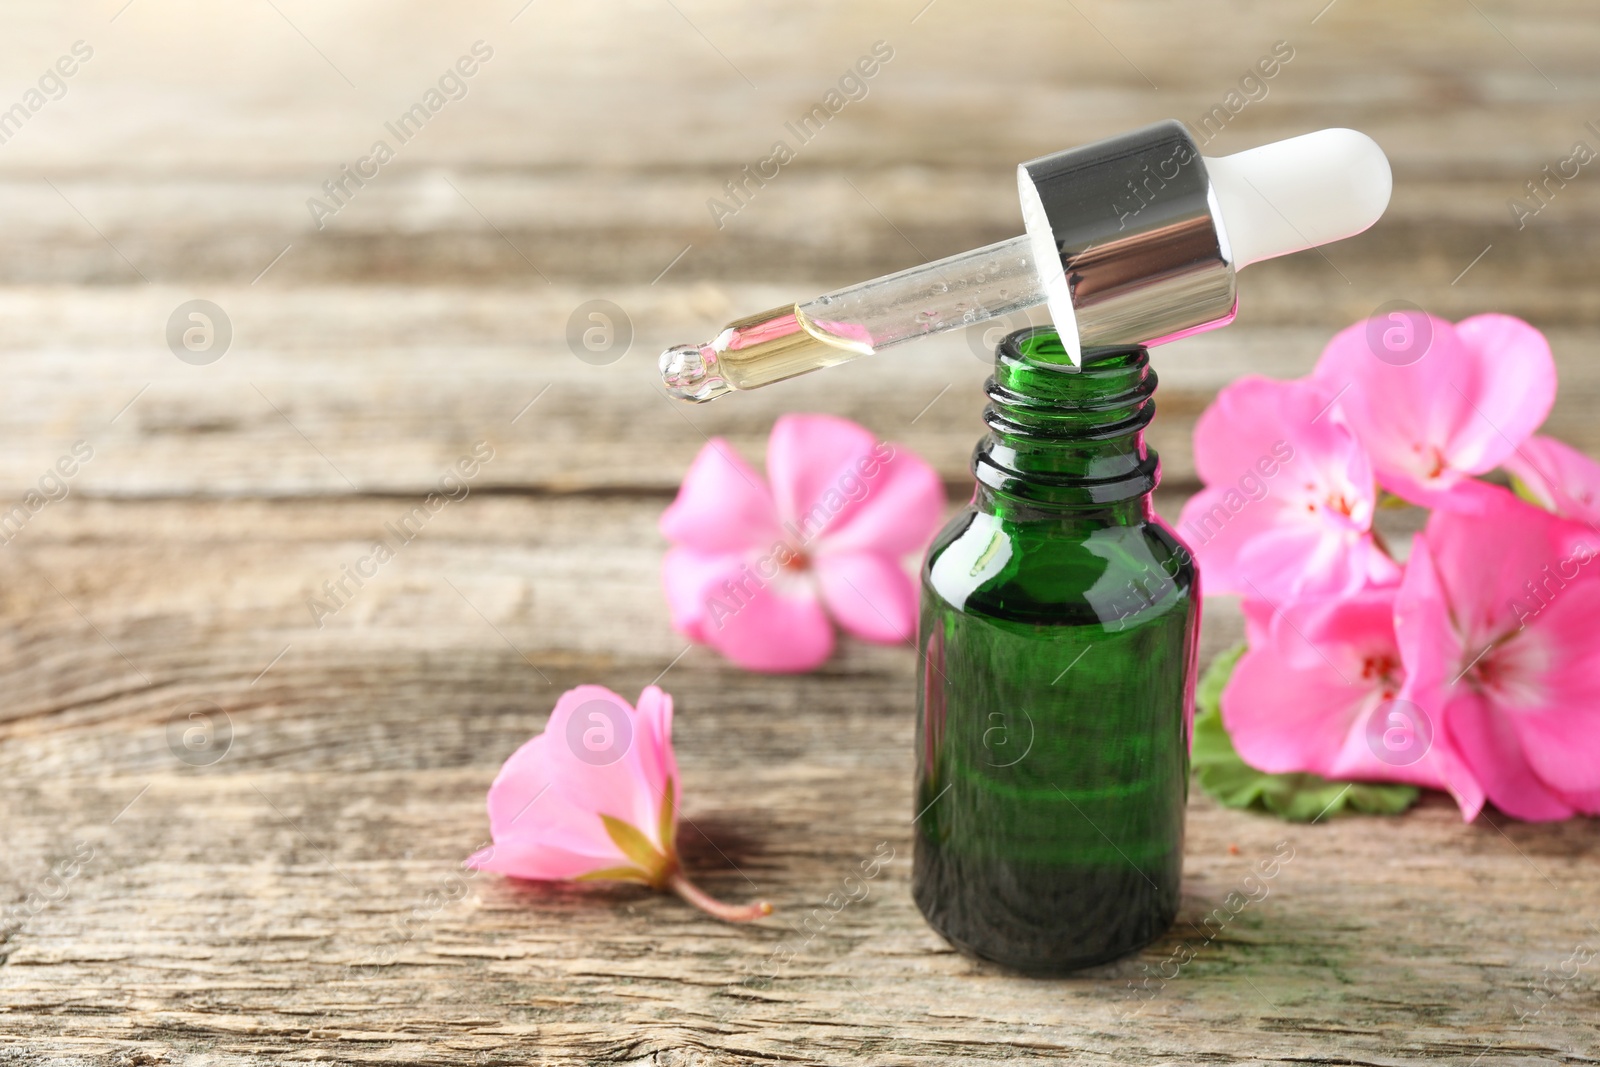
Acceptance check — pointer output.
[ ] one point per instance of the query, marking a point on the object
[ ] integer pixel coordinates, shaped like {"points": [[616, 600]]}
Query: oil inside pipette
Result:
{"points": [[759, 350]]}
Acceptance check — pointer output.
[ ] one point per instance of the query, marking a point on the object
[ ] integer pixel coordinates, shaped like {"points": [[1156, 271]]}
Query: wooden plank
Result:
{"points": [[300, 898], [380, 390], [329, 834], [618, 150]]}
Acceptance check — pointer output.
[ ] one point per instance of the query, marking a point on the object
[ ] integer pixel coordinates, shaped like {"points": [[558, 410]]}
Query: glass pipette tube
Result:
{"points": [[859, 320]]}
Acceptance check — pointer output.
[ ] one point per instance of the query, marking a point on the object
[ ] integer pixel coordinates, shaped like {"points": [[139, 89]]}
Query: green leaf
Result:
{"points": [[636, 847], [615, 874], [1296, 797], [669, 824]]}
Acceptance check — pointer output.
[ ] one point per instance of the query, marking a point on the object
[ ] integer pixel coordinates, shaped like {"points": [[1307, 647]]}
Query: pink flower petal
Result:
{"points": [[780, 628], [541, 860], [595, 758], [1273, 550], [1284, 720], [1467, 397], [1256, 425], [656, 758], [1557, 719], [1496, 628], [1289, 500], [722, 506], [1562, 479], [1429, 647], [1587, 802], [741, 576], [872, 596], [1490, 745], [694, 581], [1302, 698], [1467, 496], [526, 810], [1485, 563], [809, 458], [892, 506], [1516, 380]]}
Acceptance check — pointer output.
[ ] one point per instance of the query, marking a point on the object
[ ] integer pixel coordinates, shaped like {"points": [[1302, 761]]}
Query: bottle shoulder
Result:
{"points": [[1060, 570]]}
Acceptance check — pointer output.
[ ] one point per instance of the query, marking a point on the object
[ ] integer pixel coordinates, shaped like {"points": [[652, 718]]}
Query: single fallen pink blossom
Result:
{"points": [[1495, 622], [760, 564], [1434, 403], [595, 797], [1289, 497]]}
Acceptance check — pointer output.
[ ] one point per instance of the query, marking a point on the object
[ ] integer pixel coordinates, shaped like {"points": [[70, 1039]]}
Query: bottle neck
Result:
{"points": [[1066, 443]]}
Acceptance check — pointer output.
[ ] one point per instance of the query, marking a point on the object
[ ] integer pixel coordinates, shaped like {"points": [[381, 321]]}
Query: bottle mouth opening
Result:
{"points": [[1032, 379], [1042, 347]]}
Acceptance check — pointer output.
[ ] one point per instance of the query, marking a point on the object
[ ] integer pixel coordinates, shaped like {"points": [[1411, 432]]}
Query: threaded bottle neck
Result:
{"points": [[1064, 438]]}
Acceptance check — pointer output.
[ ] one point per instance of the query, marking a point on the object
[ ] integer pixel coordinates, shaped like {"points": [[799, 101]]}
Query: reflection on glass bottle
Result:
{"points": [[1057, 656]]}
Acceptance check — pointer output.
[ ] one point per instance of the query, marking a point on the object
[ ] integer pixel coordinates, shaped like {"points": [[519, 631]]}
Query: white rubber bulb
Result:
{"points": [[1292, 195]]}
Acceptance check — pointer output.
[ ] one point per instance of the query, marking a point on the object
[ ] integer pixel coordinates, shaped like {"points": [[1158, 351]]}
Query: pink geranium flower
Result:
{"points": [[1495, 618], [758, 565], [1289, 497], [1316, 692], [1559, 477], [1435, 403], [595, 797]]}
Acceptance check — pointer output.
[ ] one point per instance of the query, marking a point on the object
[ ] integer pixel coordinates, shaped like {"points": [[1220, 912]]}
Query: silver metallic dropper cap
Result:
{"points": [[1135, 226]]}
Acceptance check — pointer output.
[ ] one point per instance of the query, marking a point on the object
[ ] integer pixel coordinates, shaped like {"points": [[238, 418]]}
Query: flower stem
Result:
{"points": [[711, 906]]}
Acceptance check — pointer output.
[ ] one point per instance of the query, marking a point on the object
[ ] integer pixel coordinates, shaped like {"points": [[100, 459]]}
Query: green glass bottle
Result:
{"points": [[1057, 661]]}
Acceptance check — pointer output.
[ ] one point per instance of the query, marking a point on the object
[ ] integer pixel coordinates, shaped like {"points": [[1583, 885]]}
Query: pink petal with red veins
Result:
{"points": [[722, 506], [1284, 719], [872, 596], [1302, 697], [896, 511], [1289, 497], [780, 629], [1271, 550], [1460, 408], [1563, 479]]}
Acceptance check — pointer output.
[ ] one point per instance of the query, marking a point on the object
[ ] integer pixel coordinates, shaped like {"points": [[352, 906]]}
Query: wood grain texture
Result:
{"points": [[235, 908], [378, 390], [299, 897]]}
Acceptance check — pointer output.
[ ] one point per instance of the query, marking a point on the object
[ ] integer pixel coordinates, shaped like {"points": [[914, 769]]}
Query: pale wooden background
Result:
{"points": [[224, 906]]}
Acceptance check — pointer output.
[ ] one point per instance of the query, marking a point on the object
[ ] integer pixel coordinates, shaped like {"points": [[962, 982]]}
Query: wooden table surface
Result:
{"points": [[291, 890]]}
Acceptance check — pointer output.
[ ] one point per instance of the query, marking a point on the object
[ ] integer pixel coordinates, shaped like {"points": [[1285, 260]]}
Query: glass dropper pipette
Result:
{"points": [[1131, 240], [859, 320]]}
